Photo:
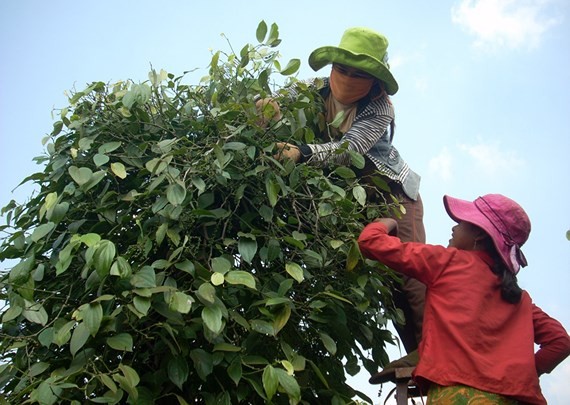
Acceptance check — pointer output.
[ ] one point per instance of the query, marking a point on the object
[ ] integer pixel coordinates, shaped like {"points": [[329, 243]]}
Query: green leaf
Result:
{"points": [[277, 301], [109, 147], [57, 213], [21, 272], [94, 180], [234, 146], [180, 302], [319, 374], [356, 159], [217, 279], [141, 304], [38, 368], [178, 371], [46, 337], [345, 172], [273, 39], [42, 231], [103, 257], [90, 239], [212, 317], [329, 343], [35, 312], [78, 338], [270, 381], [295, 271], [221, 265], [176, 193], [119, 170], [12, 313], [144, 278], [261, 32], [336, 296], [226, 347], [289, 384], [281, 318], [272, 190], [121, 342], [263, 327], [128, 381], [199, 184], [353, 256], [235, 370], [161, 233], [157, 165], [359, 195], [335, 244], [81, 175], [325, 209], [121, 268], [100, 159], [92, 317], [292, 67], [207, 293], [63, 333], [109, 383], [240, 277], [47, 393], [203, 363], [294, 242], [247, 246]]}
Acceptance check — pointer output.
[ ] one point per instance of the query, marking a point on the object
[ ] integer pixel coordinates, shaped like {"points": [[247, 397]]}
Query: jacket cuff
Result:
{"points": [[306, 153]]}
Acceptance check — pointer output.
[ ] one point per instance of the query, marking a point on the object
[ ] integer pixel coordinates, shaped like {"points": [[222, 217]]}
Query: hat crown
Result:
{"points": [[364, 41], [506, 215], [360, 48]]}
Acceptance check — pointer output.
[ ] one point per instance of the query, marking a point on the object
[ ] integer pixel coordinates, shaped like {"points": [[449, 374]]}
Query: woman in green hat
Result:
{"points": [[359, 87]]}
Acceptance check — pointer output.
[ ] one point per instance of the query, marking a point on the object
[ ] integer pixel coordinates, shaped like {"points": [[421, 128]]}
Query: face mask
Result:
{"points": [[348, 90]]}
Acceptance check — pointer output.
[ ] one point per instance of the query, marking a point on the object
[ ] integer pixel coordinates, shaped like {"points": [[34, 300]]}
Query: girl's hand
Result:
{"points": [[390, 223]]}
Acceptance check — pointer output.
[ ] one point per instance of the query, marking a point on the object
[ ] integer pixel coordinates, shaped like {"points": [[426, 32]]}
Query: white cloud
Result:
{"points": [[486, 159], [504, 23], [415, 60], [491, 160], [441, 164]]}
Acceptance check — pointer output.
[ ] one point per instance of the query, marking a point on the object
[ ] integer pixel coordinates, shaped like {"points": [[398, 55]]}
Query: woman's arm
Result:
{"points": [[553, 340], [368, 128]]}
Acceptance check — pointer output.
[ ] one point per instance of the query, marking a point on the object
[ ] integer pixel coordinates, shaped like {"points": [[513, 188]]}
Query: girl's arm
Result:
{"points": [[418, 260]]}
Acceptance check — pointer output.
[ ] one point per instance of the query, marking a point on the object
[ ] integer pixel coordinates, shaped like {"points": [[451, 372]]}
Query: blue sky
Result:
{"points": [[483, 105]]}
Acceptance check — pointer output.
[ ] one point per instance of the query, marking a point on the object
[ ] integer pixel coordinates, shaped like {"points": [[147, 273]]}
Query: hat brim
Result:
{"points": [[331, 54], [463, 210]]}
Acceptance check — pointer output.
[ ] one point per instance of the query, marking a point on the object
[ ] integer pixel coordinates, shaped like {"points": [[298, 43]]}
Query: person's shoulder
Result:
{"points": [[380, 106]]}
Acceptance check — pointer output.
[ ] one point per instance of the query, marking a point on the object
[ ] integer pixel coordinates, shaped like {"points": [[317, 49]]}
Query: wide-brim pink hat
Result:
{"points": [[501, 218]]}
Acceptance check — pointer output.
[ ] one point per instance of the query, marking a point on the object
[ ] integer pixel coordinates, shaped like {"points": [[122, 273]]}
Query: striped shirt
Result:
{"points": [[368, 135]]}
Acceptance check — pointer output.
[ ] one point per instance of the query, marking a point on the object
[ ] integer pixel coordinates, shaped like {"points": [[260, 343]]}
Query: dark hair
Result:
{"points": [[510, 290]]}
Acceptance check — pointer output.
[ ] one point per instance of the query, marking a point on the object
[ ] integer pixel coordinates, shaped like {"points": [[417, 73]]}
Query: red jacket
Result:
{"points": [[471, 336]]}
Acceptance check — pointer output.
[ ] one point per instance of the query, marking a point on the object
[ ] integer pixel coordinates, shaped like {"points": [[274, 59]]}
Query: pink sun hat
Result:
{"points": [[501, 218]]}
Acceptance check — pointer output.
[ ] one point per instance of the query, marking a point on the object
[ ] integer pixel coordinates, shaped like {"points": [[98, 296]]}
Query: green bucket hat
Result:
{"points": [[360, 48]]}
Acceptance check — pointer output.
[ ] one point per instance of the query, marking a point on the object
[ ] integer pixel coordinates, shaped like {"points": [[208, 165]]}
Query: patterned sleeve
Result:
{"points": [[368, 127]]}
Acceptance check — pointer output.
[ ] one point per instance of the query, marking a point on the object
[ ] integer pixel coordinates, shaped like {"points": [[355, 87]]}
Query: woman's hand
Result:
{"points": [[267, 110], [287, 151]]}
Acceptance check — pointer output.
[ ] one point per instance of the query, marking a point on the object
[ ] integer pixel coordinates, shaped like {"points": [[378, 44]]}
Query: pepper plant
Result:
{"points": [[167, 256]]}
